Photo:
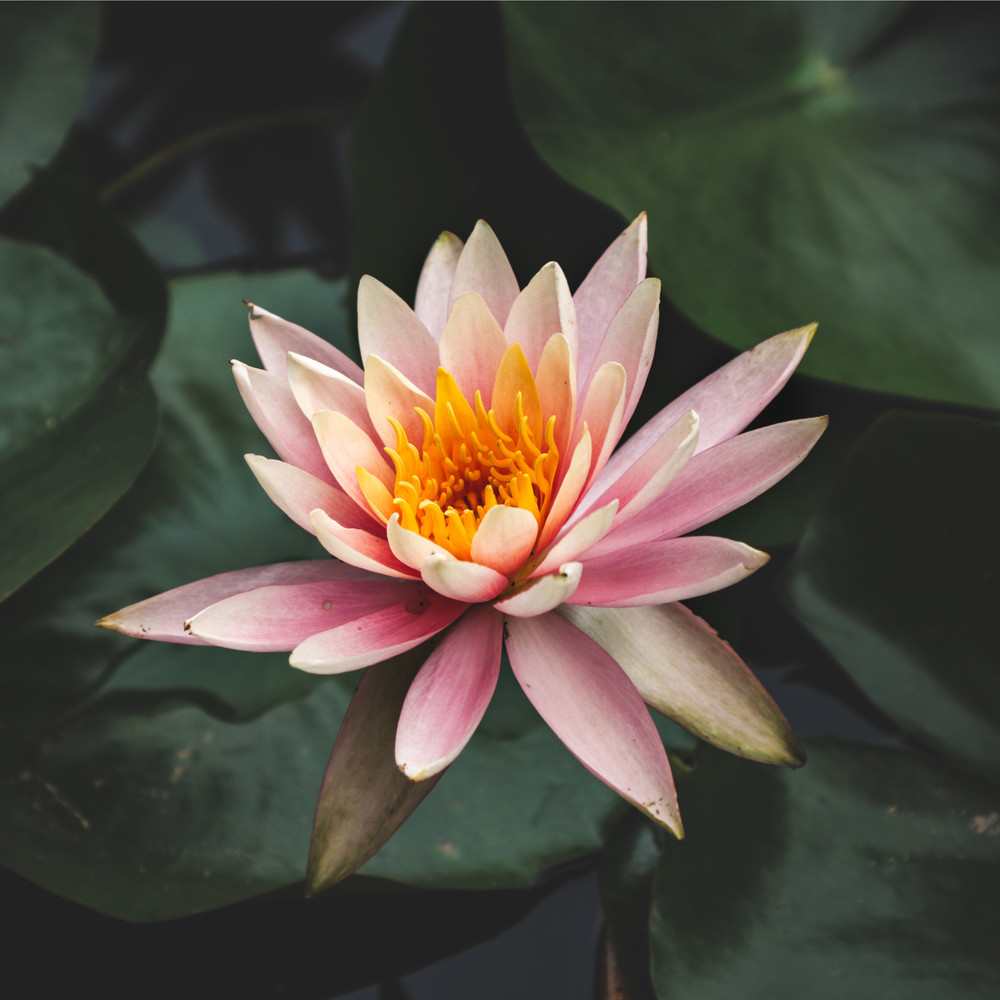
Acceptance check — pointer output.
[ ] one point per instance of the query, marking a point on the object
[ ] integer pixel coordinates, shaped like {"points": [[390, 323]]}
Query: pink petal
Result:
{"points": [[462, 581], [728, 399], [719, 480], [605, 289], [694, 678], [602, 413], [483, 267], [568, 492], [581, 537], [659, 572], [389, 393], [504, 539], [274, 410], [163, 617], [592, 706], [345, 446], [434, 287], [472, 346], [542, 595], [275, 337], [389, 329], [298, 494], [631, 340], [377, 636], [556, 382], [316, 387], [542, 309], [357, 547], [449, 696], [278, 618]]}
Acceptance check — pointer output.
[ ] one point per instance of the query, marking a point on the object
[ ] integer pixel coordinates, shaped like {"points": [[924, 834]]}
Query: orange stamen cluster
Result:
{"points": [[472, 459]]}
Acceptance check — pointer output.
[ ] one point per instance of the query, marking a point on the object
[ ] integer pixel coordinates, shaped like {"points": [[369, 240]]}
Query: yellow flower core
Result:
{"points": [[472, 459]]}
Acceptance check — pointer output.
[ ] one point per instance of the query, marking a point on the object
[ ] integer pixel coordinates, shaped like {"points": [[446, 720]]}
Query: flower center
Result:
{"points": [[472, 459]]}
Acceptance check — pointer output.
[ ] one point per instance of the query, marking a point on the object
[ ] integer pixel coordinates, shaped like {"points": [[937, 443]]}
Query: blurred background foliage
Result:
{"points": [[799, 161]]}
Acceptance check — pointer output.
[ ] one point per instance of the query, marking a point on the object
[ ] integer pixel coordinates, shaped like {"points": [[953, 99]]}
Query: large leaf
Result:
{"points": [[46, 51], [77, 416], [799, 161], [150, 780], [897, 577], [871, 873]]}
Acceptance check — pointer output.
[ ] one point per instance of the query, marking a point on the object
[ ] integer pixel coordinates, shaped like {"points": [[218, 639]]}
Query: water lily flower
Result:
{"points": [[467, 485]]}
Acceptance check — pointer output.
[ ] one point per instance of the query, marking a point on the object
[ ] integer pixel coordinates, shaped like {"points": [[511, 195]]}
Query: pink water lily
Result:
{"points": [[466, 483]]}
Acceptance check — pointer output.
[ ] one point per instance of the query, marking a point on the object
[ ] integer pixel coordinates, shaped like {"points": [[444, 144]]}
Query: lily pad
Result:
{"points": [[897, 577], [799, 161], [46, 54], [149, 781], [872, 872]]}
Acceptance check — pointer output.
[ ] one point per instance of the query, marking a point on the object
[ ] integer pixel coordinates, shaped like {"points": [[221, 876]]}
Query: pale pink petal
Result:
{"points": [[568, 491], [504, 539], [357, 547], [472, 346], [434, 286], [278, 618], [542, 309], [728, 399], [581, 537], [389, 393], [594, 708], [605, 289], [631, 340], [377, 636], [686, 672], [460, 580], [163, 617], [345, 446], [389, 329], [556, 382], [602, 413], [316, 387], [483, 267], [719, 480], [274, 410], [660, 572], [410, 547], [275, 337], [650, 474], [449, 695], [542, 595], [298, 494]]}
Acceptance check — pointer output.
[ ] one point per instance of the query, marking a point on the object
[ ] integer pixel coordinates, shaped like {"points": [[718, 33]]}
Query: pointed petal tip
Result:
{"points": [[422, 773]]}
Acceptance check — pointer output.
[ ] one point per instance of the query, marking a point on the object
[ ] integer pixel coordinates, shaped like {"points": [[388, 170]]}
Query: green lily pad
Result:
{"points": [[870, 873], [46, 53], [77, 415], [149, 780], [799, 161], [897, 577]]}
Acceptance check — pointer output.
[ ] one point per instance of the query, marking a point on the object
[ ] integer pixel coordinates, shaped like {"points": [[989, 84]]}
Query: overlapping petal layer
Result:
{"points": [[467, 485]]}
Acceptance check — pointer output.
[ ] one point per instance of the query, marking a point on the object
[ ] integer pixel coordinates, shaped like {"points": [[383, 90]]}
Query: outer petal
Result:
{"points": [[447, 699], [377, 636], [719, 480], [298, 494], [542, 309], [434, 286], [728, 399], [605, 289], [483, 267], [357, 547], [163, 617], [274, 337], [274, 410], [278, 618], [658, 572], [684, 670], [472, 346], [388, 328], [504, 539], [543, 594], [592, 706]]}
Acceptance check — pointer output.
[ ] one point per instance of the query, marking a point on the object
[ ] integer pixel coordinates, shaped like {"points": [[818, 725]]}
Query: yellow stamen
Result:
{"points": [[472, 459]]}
